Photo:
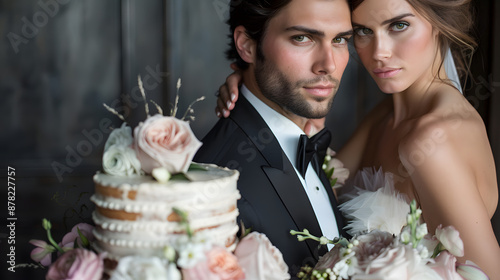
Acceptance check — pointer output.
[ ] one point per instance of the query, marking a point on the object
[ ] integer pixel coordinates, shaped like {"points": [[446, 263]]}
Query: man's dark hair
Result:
{"points": [[254, 15]]}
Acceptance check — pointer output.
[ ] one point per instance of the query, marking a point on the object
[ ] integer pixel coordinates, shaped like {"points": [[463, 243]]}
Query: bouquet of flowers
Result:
{"points": [[191, 258], [411, 254]]}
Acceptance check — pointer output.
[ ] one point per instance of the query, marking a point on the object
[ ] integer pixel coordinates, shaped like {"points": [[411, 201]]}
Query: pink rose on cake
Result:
{"points": [[167, 142]]}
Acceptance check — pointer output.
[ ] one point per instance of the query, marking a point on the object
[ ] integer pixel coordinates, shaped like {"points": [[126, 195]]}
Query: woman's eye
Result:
{"points": [[363, 31], [301, 38], [399, 26]]}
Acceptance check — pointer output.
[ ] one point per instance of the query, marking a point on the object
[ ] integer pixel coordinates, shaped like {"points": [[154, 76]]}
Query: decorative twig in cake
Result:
{"points": [[160, 142]]}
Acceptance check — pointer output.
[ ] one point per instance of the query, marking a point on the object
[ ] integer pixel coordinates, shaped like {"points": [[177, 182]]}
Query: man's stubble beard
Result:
{"points": [[276, 87]]}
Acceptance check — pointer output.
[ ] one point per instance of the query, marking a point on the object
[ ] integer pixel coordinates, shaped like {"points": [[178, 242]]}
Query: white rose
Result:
{"points": [[260, 259], [120, 136], [120, 161], [450, 238], [165, 142], [145, 268]]}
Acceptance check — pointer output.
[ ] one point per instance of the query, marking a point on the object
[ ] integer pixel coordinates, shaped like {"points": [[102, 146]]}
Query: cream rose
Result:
{"points": [[260, 259], [165, 142], [120, 136], [120, 161]]}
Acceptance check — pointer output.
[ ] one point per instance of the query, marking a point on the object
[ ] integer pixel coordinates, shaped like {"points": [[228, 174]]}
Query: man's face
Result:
{"points": [[303, 56]]}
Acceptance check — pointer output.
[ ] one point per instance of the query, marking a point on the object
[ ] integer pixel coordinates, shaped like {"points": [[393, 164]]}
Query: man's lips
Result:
{"points": [[386, 72], [320, 90]]}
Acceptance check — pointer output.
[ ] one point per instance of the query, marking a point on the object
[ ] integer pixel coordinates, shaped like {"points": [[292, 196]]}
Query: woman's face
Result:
{"points": [[396, 45]]}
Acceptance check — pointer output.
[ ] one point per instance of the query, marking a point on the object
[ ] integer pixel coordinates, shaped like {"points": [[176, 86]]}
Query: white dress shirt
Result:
{"points": [[288, 133]]}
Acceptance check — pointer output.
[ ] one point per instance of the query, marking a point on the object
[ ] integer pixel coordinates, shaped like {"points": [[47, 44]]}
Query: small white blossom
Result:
{"points": [[190, 255], [161, 174], [405, 236], [421, 231]]}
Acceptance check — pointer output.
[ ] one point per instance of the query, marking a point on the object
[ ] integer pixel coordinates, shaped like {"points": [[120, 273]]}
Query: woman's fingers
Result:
{"points": [[232, 83], [221, 110]]}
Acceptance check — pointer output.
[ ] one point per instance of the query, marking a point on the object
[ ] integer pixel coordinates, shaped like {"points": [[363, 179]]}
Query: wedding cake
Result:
{"points": [[150, 195], [136, 215]]}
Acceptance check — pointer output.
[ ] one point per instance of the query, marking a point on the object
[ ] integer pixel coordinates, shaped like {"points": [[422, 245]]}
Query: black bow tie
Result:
{"points": [[312, 150]]}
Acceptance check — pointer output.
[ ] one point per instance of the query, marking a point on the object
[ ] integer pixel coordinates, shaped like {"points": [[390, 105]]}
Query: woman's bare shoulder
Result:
{"points": [[448, 150], [451, 121]]}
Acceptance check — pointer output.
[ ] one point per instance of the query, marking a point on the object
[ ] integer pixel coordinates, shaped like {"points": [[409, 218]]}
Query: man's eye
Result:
{"points": [[301, 38], [340, 40]]}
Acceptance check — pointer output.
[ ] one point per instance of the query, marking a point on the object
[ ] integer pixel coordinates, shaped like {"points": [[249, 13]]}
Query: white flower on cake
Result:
{"points": [[190, 254], [120, 161], [145, 268], [168, 142], [120, 137], [119, 158]]}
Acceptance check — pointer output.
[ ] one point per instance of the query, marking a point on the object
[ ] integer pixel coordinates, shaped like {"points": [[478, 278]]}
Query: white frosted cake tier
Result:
{"points": [[135, 215]]}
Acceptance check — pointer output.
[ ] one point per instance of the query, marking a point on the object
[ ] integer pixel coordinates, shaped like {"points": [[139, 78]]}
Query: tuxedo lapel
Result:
{"points": [[280, 171], [293, 196], [333, 201]]}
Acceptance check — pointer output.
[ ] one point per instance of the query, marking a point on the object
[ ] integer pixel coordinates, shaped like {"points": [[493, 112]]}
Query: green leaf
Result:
{"points": [[184, 220], [197, 166], [179, 177], [333, 182], [329, 173], [244, 231], [85, 241]]}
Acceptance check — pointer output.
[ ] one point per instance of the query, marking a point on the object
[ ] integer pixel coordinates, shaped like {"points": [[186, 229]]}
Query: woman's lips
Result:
{"points": [[386, 72]]}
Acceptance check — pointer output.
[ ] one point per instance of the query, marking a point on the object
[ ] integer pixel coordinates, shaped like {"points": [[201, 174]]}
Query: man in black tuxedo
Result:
{"points": [[292, 54]]}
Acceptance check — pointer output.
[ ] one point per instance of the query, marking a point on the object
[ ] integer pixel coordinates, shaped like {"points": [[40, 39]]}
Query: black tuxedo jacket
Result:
{"points": [[273, 200]]}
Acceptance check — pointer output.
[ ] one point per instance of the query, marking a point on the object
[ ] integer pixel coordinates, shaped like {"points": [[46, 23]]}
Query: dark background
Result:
{"points": [[60, 60]]}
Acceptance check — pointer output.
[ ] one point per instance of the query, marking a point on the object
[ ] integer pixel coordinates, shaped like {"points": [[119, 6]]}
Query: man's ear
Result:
{"points": [[245, 46]]}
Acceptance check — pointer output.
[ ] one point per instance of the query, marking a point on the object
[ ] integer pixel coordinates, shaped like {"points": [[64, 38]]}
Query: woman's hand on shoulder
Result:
{"points": [[228, 93]]}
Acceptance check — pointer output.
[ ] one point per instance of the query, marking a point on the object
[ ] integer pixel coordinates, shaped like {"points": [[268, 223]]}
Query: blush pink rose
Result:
{"points": [[224, 264], [219, 264], [260, 259], [68, 240], [371, 245], [77, 264], [168, 142], [445, 266]]}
